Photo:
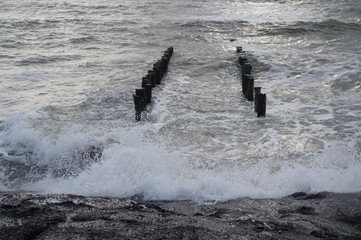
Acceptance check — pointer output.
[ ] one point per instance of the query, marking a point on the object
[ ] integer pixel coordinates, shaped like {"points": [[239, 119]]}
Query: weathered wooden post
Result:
{"points": [[151, 76], [165, 60], [170, 50], [148, 93], [167, 54], [257, 91], [137, 106], [143, 96], [239, 49], [249, 89], [245, 78], [261, 109], [157, 73], [246, 73], [145, 81], [242, 60], [247, 68]]}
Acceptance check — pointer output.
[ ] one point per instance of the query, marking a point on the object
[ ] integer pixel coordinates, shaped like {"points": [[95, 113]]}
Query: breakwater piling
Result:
{"points": [[143, 96], [250, 92]]}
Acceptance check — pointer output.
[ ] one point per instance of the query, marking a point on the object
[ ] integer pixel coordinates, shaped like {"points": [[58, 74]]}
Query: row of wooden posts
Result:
{"points": [[143, 96], [250, 92]]}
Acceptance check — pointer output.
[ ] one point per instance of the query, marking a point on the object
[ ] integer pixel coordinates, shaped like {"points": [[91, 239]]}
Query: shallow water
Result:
{"points": [[69, 69]]}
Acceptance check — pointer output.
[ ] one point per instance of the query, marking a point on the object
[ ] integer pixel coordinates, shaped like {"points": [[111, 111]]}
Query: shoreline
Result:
{"points": [[325, 215]]}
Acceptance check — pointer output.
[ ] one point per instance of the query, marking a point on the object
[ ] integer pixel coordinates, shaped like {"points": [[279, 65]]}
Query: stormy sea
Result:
{"points": [[199, 163]]}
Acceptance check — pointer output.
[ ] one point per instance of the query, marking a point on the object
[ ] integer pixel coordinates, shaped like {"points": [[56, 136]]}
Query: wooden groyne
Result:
{"points": [[143, 96], [250, 92]]}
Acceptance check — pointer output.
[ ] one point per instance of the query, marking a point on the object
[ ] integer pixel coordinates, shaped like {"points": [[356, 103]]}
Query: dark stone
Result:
{"points": [[306, 210], [299, 195], [319, 195], [198, 214], [41, 217], [300, 210], [219, 212], [305, 196], [351, 219]]}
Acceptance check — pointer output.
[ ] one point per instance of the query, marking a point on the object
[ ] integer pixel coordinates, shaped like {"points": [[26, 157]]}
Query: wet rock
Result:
{"points": [[319, 195], [305, 196], [300, 210], [351, 219], [219, 212], [306, 210], [299, 195], [25, 215]]}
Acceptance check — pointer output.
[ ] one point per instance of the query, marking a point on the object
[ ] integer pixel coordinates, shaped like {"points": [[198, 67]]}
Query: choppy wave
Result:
{"points": [[316, 28], [46, 60], [29, 24], [337, 25]]}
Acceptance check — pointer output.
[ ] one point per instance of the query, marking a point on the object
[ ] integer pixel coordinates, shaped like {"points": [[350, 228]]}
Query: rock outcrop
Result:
{"points": [[31, 216]]}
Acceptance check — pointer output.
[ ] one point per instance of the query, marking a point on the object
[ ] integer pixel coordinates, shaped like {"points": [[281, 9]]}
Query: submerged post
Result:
{"points": [[151, 76], [246, 68], [242, 60], [249, 90], [145, 81], [261, 109], [148, 93], [257, 91], [137, 106], [157, 72], [245, 83], [143, 96], [170, 50]]}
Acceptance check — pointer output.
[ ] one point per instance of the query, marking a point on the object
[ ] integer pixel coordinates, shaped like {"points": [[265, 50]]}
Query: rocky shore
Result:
{"points": [[25, 215]]}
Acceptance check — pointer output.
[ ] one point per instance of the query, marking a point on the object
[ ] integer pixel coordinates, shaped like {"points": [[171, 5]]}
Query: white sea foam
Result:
{"points": [[159, 174], [131, 165]]}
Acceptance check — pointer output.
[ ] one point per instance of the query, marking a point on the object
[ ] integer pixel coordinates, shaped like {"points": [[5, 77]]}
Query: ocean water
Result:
{"points": [[68, 70]]}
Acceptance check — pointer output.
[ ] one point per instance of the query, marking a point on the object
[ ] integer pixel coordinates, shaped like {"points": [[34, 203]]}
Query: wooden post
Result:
{"points": [[145, 81], [249, 89], [157, 68], [170, 50], [165, 60], [148, 93], [247, 68], [151, 75], [167, 55], [142, 94], [245, 78], [157, 74], [239, 49], [242, 60], [257, 91], [137, 106], [261, 109]]}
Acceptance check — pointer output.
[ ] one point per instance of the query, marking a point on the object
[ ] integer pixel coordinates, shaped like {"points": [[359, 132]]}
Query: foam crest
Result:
{"points": [[136, 167], [31, 151]]}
